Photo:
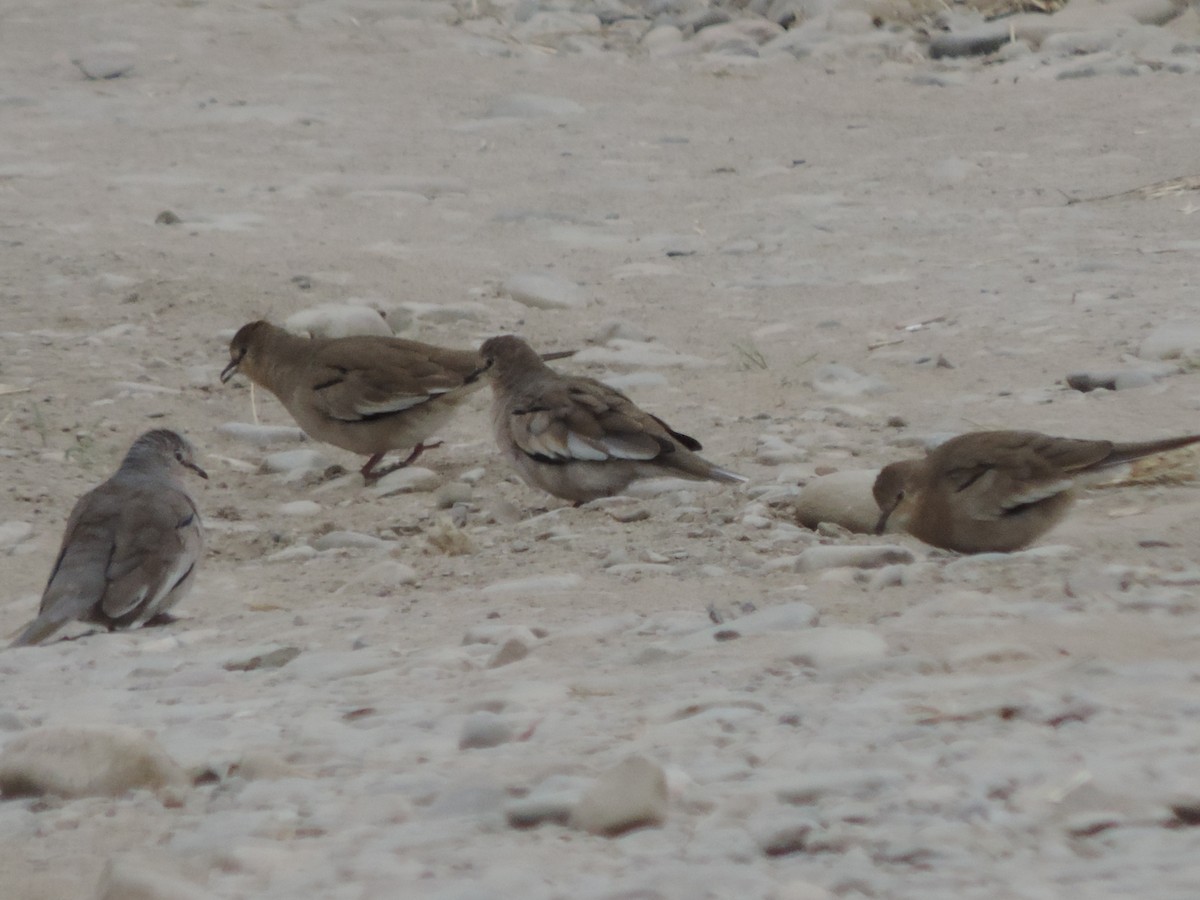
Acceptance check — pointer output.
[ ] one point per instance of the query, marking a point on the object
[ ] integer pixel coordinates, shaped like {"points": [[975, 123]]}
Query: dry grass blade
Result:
{"points": [[1149, 192]]}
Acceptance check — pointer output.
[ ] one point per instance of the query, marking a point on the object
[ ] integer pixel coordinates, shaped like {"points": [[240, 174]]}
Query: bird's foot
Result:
{"points": [[371, 474]]}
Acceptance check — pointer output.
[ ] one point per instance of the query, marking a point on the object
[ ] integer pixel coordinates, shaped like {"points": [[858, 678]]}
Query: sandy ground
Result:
{"points": [[1032, 720]]}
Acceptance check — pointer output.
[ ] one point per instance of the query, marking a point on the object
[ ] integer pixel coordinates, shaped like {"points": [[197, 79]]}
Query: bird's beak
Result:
{"points": [[883, 520], [199, 471], [230, 370], [478, 373]]}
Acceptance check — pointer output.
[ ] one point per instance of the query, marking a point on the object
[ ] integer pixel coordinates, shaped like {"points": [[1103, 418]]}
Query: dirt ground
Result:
{"points": [[769, 217]]}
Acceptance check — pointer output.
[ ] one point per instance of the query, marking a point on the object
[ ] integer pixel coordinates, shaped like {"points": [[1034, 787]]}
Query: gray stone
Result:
{"points": [[825, 648], [335, 320], [299, 460], [261, 435], [482, 730], [408, 480], [142, 878], [1178, 340], [13, 533], [842, 381], [632, 794], [542, 291], [353, 540], [828, 556], [86, 761], [844, 498], [977, 41], [535, 106]]}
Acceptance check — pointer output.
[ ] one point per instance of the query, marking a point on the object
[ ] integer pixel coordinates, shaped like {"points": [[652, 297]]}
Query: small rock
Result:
{"points": [[338, 540], [535, 584], [451, 493], [299, 508], [103, 63], [261, 435], [409, 480], [166, 217], [482, 730], [334, 320], [843, 381], [844, 498], [544, 291], [133, 878], [271, 659], [823, 648], [85, 761], [13, 533], [829, 556], [511, 651], [1178, 340], [299, 460], [633, 794], [535, 106], [529, 812]]}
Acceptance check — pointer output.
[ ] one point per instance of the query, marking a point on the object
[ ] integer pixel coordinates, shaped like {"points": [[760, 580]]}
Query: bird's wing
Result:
{"points": [[157, 541], [361, 379], [580, 419], [995, 474]]}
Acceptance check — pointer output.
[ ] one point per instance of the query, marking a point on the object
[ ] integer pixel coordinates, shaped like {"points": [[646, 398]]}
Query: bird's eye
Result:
{"points": [[179, 455]]}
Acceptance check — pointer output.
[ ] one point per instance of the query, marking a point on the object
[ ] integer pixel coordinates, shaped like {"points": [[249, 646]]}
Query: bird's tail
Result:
{"points": [[716, 473], [38, 631]]}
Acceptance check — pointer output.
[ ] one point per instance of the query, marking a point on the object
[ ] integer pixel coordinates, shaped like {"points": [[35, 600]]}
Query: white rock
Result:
{"points": [[85, 761], [338, 540], [842, 381], [482, 730], [844, 498], [299, 460], [299, 508], [542, 291], [261, 435], [829, 556], [334, 320], [534, 106], [630, 795], [824, 648], [1178, 340], [409, 480], [13, 533], [134, 878], [535, 584]]}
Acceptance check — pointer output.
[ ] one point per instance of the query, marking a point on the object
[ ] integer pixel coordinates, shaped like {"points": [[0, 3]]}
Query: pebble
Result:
{"points": [[842, 381], [296, 461], [335, 320], [541, 291], [513, 650], [140, 878], [261, 435], [482, 730], [824, 648], [844, 498], [408, 480], [13, 533], [1178, 340], [86, 761], [103, 63], [299, 508], [633, 794], [1117, 381], [451, 493], [353, 540], [829, 556], [535, 106], [535, 584]]}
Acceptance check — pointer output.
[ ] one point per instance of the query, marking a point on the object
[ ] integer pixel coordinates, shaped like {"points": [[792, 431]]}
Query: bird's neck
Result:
{"points": [[279, 354]]}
